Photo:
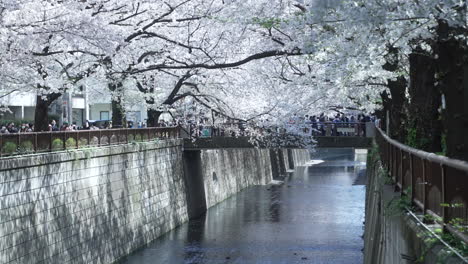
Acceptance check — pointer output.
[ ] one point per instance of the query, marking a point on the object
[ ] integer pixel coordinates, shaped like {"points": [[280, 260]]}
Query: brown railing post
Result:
{"points": [[444, 193], [402, 177], [400, 168], [35, 142], [411, 176], [18, 141], [389, 151], [64, 138], [50, 141], [424, 200], [99, 139]]}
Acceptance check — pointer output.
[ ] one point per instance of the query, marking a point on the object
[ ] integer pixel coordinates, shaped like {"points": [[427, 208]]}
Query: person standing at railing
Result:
{"points": [[4, 130]]}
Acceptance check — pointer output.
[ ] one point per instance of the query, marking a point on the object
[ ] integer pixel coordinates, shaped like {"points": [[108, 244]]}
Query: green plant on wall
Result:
{"points": [[398, 205], [70, 143], [416, 141], [9, 148], [26, 147], [57, 144], [83, 142]]}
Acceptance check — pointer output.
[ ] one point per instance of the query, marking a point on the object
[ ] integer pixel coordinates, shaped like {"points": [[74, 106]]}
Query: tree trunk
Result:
{"points": [[397, 112], [424, 126], [452, 71], [118, 111], [153, 117], [382, 115], [395, 105], [41, 118]]}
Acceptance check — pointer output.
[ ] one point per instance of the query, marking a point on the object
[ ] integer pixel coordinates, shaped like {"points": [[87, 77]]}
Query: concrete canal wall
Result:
{"points": [[98, 205], [89, 206]]}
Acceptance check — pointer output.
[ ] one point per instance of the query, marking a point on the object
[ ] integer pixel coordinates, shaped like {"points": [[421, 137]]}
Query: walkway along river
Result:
{"points": [[316, 216]]}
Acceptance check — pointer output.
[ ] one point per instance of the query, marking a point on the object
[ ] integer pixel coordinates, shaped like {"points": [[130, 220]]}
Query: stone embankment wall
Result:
{"points": [[98, 205], [228, 171], [392, 236], [89, 206]]}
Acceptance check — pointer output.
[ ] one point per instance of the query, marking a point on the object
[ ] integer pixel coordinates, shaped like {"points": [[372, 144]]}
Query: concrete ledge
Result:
{"points": [[344, 142]]}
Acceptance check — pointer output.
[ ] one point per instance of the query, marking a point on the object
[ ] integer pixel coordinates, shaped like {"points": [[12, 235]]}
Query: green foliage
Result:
{"points": [[398, 205], [430, 219], [26, 147], [138, 138], [70, 143], [413, 139], [455, 242], [57, 144], [267, 23], [443, 143], [9, 148], [82, 142], [458, 224], [452, 205]]}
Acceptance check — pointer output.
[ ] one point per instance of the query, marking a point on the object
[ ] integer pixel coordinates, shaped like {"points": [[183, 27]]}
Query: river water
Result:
{"points": [[316, 216]]}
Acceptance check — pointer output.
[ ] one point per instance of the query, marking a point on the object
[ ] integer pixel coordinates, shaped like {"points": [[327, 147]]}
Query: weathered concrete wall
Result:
{"points": [[344, 142], [89, 206], [300, 156], [228, 171], [391, 235], [98, 205]]}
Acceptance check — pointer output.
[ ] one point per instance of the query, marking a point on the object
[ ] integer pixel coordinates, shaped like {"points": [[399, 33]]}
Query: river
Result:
{"points": [[316, 216]]}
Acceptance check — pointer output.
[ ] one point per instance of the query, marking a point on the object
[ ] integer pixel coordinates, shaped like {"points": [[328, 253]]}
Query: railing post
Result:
{"points": [[444, 193], [50, 141], [424, 185], [389, 151], [35, 143], [18, 142], [402, 177], [64, 138], [77, 139], [1, 144], [411, 176]]}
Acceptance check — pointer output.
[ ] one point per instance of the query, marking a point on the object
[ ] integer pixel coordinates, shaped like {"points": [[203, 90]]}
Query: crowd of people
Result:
{"points": [[323, 125], [315, 125], [11, 128]]}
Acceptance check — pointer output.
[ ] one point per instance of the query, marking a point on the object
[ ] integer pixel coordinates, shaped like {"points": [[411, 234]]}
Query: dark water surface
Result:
{"points": [[315, 217]]}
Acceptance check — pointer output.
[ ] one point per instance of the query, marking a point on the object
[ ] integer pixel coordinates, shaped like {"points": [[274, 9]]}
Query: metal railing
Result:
{"points": [[27, 143], [312, 129], [355, 129], [436, 184]]}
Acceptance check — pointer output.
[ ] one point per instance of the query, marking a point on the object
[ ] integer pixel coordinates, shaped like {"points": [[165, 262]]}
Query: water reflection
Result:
{"points": [[315, 217]]}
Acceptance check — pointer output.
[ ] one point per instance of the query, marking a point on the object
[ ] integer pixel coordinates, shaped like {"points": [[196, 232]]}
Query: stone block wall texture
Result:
{"points": [[228, 171], [97, 205], [89, 206]]}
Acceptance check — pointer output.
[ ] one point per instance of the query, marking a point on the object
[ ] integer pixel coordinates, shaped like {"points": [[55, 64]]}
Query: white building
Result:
{"points": [[76, 108]]}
